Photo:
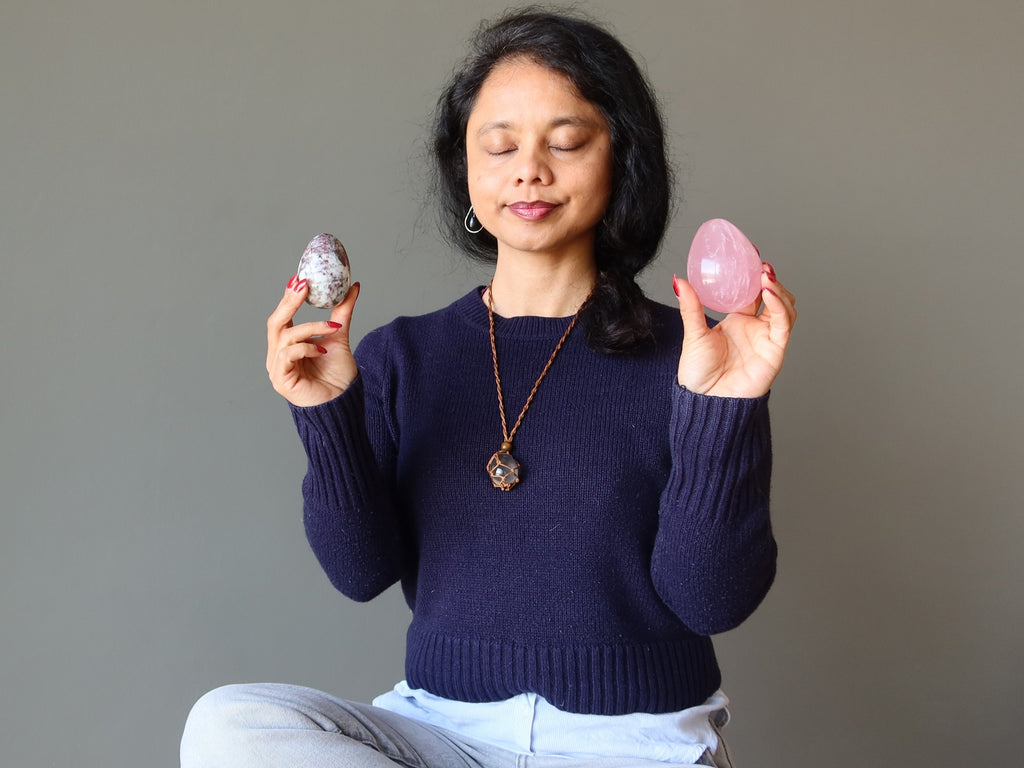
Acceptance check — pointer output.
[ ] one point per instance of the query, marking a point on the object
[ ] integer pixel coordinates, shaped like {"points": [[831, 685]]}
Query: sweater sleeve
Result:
{"points": [[348, 511], [714, 554]]}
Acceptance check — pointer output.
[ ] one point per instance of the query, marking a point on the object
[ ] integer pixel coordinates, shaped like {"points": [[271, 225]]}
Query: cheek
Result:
{"points": [[600, 185], [481, 183], [607, 183]]}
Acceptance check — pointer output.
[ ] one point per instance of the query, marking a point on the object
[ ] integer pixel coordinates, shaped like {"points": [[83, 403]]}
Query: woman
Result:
{"points": [[569, 480]]}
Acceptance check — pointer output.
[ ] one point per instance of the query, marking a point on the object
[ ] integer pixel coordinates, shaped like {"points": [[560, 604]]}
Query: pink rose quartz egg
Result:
{"points": [[324, 264], [723, 267]]}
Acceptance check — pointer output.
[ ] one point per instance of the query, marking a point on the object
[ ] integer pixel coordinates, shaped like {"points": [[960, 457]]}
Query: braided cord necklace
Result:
{"points": [[503, 469]]}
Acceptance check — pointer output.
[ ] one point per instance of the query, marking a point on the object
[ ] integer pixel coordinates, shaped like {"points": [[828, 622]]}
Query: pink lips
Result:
{"points": [[532, 210]]}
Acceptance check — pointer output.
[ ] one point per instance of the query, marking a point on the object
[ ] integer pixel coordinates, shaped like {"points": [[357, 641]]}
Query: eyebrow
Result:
{"points": [[504, 125]]}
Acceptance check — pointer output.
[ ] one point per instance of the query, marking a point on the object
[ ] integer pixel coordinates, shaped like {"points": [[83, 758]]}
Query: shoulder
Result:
{"points": [[408, 333], [666, 319], [666, 331], [668, 325]]}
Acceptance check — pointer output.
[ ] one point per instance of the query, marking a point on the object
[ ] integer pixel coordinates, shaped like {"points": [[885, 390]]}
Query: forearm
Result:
{"points": [[714, 555], [348, 512]]}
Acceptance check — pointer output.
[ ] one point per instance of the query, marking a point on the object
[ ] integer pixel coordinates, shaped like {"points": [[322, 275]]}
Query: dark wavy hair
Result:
{"points": [[617, 318]]}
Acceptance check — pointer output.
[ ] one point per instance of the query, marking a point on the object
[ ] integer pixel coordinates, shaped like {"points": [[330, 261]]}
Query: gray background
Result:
{"points": [[164, 164]]}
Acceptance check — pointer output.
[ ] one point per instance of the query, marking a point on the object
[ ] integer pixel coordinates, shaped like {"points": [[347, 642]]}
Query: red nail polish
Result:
{"points": [[321, 350], [299, 286], [770, 271], [675, 287], [333, 324], [291, 280]]}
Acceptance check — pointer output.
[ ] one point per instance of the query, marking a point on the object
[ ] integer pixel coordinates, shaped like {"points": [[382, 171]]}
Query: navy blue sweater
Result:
{"points": [[640, 526]]}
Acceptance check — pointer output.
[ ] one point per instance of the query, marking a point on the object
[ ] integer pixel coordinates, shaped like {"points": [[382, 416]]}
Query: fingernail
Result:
{"points": [[299, 286], [773, 293], [675, 286], [291, 280], [321, 350], [757, 249], [770, 271], [333, 324]]}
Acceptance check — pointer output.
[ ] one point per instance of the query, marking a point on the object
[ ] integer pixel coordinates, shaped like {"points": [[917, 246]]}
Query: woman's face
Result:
{"points": [[540, 162]]}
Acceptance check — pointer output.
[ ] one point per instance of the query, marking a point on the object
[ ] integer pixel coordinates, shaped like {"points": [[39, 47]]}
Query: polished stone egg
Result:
{"points": [[324, 264]]}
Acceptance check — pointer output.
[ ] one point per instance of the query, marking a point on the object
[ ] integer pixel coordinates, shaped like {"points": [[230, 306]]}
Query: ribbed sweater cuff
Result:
{"points": [[721, 441], [339, 452]]}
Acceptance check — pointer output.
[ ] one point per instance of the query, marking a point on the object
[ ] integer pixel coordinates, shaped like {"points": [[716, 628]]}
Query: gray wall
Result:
{"points": [[164, 164]]}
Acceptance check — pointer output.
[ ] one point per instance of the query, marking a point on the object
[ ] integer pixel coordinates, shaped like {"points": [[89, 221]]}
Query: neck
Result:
{"points": [[540, 290]]}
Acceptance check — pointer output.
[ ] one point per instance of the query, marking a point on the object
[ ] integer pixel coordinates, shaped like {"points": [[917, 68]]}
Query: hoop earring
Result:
{"points": [[472, 223]]}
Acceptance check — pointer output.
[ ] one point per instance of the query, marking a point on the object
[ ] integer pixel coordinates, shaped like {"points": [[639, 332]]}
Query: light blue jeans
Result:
{"points": [[285, 726]]}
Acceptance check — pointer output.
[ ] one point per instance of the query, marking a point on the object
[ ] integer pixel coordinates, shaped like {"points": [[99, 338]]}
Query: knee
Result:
{"points": [[216, 726]]}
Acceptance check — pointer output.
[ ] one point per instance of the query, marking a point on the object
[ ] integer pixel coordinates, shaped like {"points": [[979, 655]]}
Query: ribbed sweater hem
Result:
{"points": [[605, 679]]}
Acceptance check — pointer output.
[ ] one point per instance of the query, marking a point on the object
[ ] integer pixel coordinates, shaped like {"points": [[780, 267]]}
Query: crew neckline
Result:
{"points": [[473, 309]]}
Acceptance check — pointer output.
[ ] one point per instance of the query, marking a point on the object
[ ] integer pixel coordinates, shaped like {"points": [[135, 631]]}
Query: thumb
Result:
{"points": [[342, 313], [695, 322]]}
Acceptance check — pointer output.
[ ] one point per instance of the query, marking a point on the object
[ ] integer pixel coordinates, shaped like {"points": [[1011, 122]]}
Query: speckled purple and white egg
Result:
{"points": [[324, 264]]}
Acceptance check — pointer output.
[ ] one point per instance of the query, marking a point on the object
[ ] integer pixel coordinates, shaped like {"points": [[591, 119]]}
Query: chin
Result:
{"points": [[538, 242]]}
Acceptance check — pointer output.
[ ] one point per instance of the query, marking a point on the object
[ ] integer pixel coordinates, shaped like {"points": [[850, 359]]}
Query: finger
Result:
{"points": [[284, 369], [780, 314], [283, 315], [287, 357], [297, 334], [342, 313], [695, 322], [751, 309], [284, 312], [772, 281], [787, 299]]}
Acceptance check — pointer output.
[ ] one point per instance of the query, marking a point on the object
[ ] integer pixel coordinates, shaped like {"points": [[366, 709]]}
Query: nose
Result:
{"points": [[534, 166]]}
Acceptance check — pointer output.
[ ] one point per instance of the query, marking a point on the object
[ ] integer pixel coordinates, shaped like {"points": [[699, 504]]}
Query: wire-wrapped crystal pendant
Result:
{"points": [[503, 468]]}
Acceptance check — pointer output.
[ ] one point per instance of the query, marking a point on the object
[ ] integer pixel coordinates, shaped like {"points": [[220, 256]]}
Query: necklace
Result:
{"points": [[502, 468]]}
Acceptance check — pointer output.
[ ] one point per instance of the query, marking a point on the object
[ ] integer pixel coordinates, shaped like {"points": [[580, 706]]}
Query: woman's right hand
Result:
{"points": [[310, 363]]}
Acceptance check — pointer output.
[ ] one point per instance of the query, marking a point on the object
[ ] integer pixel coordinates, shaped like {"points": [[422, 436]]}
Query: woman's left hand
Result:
{"points": [[742, 355]]}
